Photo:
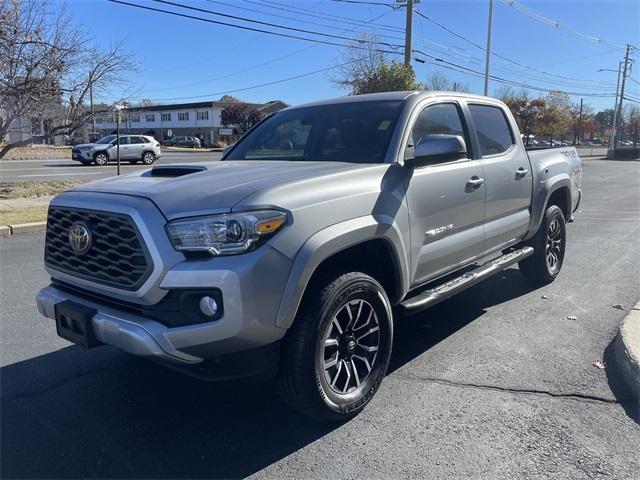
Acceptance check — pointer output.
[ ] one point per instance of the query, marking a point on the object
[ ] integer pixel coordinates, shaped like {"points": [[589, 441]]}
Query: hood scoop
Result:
{"points": [[172, 171]]}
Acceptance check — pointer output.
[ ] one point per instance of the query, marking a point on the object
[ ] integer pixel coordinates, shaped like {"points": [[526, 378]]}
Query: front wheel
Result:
{"points": [[337, 352], [101, 158], [148, 158], [548, 245]]}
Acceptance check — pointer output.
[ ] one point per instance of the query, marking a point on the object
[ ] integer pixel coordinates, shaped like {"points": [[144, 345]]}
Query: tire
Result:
{"points": [[330, 368], [148, 158], [101, 158], [548, 244]]}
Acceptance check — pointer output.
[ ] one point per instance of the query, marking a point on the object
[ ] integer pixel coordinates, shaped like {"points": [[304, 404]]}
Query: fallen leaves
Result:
{"points": [[618, 306]]}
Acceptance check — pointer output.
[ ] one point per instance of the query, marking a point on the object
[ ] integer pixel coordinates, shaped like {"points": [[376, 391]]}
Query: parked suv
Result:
{"points": [[294, 255], [133, 148], [192, 142]]}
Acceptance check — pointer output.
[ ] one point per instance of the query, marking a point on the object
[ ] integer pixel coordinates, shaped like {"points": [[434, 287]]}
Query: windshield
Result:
{"points": [[355, 132], [107, 139]]}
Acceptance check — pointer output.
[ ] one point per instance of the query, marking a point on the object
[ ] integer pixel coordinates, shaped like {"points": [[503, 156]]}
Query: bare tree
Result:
{"points": [[360, 61], [47, 72], [437, 81]]}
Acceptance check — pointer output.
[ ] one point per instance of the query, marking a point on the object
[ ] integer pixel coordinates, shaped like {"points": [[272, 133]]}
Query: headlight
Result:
{"points": [[226, 234]]}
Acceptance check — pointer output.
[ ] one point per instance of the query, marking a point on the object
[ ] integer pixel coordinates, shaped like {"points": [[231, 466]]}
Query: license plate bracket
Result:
{"points": [[73, 323]]}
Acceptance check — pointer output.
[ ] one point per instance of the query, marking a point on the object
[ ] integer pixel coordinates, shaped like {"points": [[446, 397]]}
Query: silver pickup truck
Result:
{"points": [[294, 255]]}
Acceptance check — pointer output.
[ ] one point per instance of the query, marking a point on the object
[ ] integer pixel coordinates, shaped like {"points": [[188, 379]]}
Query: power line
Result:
{"points": [[480, 47], [362, 2], [324, 16], [441, 62], [557, 24], [268, 62], [284, 17], [462, 69], [260, 85], [253, 29], [260, 22]]}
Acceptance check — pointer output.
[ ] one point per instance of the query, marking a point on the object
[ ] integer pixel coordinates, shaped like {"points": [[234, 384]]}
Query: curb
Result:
{"points": [[626, 352], [9, 230]]}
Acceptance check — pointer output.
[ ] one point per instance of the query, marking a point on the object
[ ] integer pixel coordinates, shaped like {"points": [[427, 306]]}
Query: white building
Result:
{"points": [[200, 119]]}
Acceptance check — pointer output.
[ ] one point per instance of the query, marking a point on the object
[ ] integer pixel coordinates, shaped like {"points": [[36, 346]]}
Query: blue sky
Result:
{"points": [[180, 58]]}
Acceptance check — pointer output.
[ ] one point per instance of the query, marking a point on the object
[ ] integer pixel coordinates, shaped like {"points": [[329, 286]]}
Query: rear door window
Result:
{"points": [[492, 128]]}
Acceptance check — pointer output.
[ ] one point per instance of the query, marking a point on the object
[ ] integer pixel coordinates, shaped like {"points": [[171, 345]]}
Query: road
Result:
{"points": [[497, 382], [60, 169]]}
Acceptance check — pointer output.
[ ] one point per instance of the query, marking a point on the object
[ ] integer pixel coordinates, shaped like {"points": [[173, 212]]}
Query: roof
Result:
{"points": [[196, 105], [389, 96]]}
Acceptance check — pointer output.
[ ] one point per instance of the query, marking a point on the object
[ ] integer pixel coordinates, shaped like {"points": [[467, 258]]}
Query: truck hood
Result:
{"points": [[182, 190]]}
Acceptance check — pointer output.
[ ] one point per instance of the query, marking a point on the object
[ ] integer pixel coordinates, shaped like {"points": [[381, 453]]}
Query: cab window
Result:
{"points": [[441, 118], [492, 128]]}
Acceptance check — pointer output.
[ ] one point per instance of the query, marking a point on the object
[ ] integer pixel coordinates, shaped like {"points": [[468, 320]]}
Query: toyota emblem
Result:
{"points": [[80, 238]]}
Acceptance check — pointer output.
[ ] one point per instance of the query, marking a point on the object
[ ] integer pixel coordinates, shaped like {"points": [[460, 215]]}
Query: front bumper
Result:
{"points": [[251, 285]]}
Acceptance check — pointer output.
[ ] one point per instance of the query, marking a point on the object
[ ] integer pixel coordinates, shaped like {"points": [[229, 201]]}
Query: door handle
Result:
{"points": [[475, 181], [521, 172]]}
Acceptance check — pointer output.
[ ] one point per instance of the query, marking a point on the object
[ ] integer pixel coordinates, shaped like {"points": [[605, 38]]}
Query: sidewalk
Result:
{"points": [[21, 203]]}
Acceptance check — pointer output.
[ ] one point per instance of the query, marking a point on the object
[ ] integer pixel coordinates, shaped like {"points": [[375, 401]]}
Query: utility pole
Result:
{"points": [[579, 139], [118, 142], [488, 50], [612, 138], [624, 77], [408, 32], [93, 116]]}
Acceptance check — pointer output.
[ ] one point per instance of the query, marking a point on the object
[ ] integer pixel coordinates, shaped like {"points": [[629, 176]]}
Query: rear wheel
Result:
{"points": [[148, 158], [548, 249], [101, 158], [337, 352]]}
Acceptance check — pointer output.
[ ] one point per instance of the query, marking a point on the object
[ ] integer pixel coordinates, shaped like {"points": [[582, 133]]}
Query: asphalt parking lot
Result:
{"points": [[497, 382], [62, 169]]}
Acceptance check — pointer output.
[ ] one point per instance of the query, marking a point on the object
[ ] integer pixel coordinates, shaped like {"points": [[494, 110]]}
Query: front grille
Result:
{"points": [[117, 256]]}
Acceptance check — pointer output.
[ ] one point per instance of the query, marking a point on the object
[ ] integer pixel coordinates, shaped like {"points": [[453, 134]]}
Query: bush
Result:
{"points": [[220, 144]]}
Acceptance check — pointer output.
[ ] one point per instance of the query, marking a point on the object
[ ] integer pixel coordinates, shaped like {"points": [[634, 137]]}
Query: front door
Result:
{"points": [[507, 170], [124, 149], [446, 200]]}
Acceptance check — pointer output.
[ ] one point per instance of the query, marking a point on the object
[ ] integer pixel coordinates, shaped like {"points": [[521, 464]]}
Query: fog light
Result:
{"points": [[208, 306]]}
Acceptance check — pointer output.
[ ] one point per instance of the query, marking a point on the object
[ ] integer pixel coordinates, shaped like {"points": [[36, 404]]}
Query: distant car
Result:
{"points": [[192, 142], [133, 148]]}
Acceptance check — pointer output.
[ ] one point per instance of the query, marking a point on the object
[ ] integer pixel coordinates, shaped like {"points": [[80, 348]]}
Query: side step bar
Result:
{"points": [[437, 294]]}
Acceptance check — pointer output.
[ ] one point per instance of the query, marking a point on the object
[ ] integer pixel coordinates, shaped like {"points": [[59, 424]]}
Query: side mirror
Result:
{"points": [[438, 148]]}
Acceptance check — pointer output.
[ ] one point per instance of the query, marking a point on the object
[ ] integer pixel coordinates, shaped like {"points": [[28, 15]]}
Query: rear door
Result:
{"points": [[446, 200], [508, 179], [136, 147]]}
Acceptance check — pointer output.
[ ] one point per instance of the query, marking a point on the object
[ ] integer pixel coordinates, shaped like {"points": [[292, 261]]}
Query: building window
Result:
{"points": [[183, 116], [135, 118], [165, 117], [203, 115], [150, 117]]}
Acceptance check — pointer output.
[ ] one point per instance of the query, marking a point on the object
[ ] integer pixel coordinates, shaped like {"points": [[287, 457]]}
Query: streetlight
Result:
{"points": [[611, 147]]}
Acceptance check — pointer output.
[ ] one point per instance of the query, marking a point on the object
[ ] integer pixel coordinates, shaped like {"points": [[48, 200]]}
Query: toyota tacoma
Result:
{"points": [[292, 257]]}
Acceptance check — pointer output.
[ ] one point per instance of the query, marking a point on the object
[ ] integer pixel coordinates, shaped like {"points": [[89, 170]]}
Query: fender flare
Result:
{"points": [[541, 198], [331, 240]]}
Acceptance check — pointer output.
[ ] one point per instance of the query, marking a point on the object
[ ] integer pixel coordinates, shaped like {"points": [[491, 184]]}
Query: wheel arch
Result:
{"points": [[555, 191], [371, 244], [95, 154]]}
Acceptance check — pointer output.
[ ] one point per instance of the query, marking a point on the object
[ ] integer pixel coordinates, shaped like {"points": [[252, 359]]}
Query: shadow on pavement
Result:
{"points": [[618, 385], [101, 413]]}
